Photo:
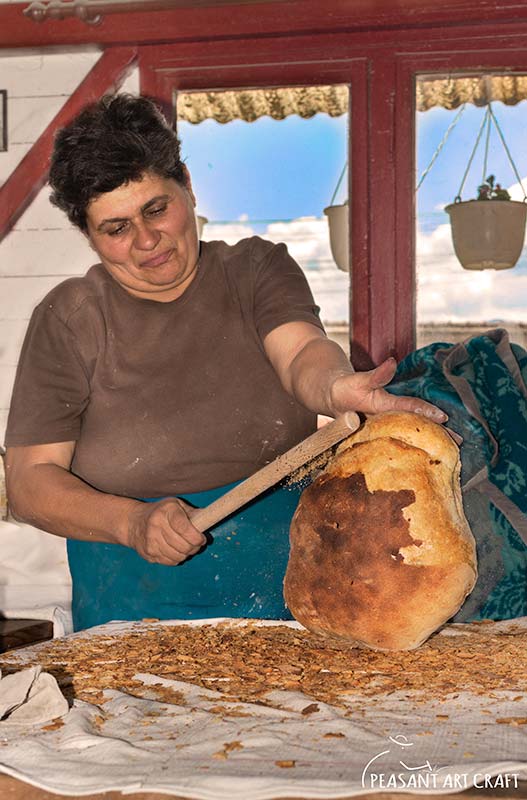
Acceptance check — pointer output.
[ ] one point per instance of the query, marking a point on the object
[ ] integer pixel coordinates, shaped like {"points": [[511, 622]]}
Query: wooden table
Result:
{"points": [[11, 789], [22, 632], [14, 789]]}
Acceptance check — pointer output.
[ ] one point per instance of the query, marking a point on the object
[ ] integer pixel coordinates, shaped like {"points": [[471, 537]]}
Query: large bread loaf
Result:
{"points": [[381, 552]]}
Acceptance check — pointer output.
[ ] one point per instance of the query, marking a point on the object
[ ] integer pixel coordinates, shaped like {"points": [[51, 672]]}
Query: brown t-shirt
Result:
{"points": [[165, 398]]}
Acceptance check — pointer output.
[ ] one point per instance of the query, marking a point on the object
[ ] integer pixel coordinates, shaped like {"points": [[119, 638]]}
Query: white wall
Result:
{"points": [[37, 87], [43, 248], [38, 253]]}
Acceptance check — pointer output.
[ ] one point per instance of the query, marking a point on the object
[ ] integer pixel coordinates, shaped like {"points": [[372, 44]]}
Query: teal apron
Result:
{"points": [[239, 574]]}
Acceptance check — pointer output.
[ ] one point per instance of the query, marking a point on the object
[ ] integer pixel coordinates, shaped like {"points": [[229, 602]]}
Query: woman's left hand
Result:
{"points": [[317, 372], [364, 391]]}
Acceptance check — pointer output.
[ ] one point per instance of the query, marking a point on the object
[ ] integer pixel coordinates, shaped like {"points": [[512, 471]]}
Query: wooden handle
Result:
{"points": [[328, 435]]}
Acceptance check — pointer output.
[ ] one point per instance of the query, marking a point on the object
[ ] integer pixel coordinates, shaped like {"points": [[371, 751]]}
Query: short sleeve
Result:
{"points": [[51, 388], [282, 293]]}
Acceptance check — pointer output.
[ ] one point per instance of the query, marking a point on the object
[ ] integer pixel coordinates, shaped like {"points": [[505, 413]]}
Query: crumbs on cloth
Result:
{"points": [[244, 661], [235, 709]]}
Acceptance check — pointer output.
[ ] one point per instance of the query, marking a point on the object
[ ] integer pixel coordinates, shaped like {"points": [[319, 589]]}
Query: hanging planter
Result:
{"points": [[338, 223], [200, 222], [488, 232], [339, 234]]}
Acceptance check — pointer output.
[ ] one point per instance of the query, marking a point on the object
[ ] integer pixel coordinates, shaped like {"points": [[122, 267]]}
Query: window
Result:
{"points": [[453, 302], [273, 177]]}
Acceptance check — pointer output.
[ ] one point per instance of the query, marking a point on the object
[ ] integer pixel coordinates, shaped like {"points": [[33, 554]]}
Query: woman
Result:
{"points": [[170, 371]]}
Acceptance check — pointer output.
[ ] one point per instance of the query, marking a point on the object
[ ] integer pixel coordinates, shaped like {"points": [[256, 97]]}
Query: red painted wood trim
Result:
{"points": [[258, 75], [477, 44], [360, 216], [152, 84], [29, 176], [405, 161], [256, 19], [504, 56], [382, 266]]}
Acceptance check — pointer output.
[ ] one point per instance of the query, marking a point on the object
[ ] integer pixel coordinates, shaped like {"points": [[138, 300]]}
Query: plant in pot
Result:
{"points": [[488, 232]]}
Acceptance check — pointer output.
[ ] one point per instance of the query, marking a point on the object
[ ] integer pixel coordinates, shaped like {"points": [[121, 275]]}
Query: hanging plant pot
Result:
{"points": [[488, 234], [339, 234], [200, 222]]}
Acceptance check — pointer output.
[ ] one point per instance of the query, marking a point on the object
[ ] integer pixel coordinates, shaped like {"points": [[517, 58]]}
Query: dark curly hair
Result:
{"points": [[108, 144]]}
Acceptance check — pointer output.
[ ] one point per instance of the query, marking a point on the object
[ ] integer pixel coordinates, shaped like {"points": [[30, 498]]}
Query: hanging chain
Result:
{"points": [[338, 183], [440, 146], [487, 140], [504, 143], [488, 119], [458, 196]]}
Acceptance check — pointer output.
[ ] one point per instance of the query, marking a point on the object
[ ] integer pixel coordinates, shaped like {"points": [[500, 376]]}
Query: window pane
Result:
{"points": [[273, 178], [454, 302]]}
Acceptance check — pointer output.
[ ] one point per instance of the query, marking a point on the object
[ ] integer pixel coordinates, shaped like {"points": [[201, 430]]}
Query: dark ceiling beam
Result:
{"points": [[91, 11], [187, 20]]}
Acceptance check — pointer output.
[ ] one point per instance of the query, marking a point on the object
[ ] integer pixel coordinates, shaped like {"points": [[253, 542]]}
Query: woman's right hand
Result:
{"points": [[162, 532]]}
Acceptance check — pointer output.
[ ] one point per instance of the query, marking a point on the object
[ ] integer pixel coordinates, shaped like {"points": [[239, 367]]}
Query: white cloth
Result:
{"points": [[30, 697], [35, 581], [207, 748]]}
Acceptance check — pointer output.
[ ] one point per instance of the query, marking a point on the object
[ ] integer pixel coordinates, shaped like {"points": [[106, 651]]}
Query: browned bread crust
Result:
{"points": [[381, 552]]}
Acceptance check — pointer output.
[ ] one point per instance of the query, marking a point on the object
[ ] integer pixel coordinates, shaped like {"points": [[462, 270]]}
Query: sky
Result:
{"points": [[443, 183], [268, 169], [446, 291], [274, 178]]}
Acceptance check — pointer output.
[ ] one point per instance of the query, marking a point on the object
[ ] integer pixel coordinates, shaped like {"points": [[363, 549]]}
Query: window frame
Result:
{"points": [[380, 69]]}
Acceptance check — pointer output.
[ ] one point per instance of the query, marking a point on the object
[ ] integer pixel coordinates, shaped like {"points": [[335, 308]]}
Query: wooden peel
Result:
{"points": [[328, 435]]}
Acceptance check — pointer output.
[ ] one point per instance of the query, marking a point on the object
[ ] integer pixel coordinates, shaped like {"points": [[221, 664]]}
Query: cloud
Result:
{"points": [[448, 292], [517, 191], [230, 233], [307, 240], [445, 291]]}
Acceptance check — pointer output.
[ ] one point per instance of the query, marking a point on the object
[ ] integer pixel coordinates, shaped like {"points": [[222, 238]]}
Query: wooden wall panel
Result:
{"points": [[43, 248], [36, 89], [27, 179], [12, 333], [6, 385]]}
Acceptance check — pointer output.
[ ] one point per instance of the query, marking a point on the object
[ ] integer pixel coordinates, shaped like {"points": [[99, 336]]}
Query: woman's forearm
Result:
{"points": [[44, 493], [323, 380], [313, 373], [53, 499]]}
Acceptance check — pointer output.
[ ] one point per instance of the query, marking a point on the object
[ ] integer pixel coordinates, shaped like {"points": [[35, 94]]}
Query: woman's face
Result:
{"points": [[145, 235]]}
